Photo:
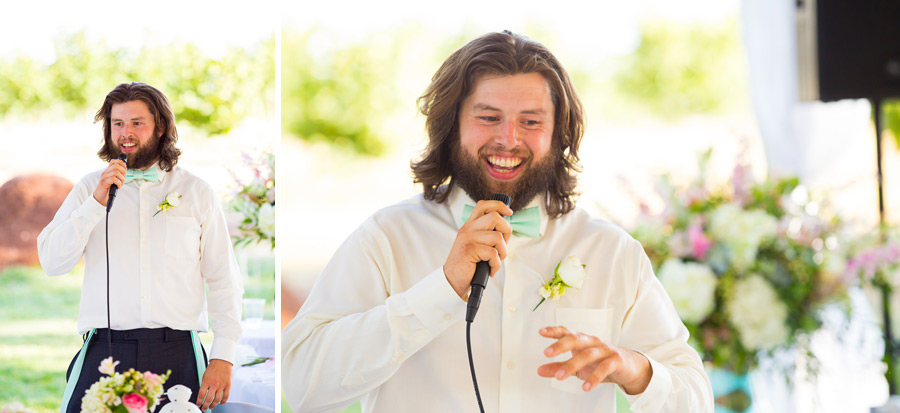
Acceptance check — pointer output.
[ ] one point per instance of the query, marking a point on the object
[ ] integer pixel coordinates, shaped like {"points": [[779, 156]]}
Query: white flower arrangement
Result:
{"points": [[748, 266], [255, 201]]}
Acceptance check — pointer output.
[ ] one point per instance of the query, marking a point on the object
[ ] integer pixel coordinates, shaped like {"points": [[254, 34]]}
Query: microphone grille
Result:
{"points": [[502, 198], [123, 157]]}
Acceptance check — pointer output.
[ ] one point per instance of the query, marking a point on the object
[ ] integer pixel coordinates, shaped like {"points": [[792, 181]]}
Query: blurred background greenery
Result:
{"points": [[347, 94], [204, 91]]}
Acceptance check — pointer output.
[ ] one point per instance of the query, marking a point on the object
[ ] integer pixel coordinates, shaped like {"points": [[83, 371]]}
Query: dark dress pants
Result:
{"points": [[146, 349]]}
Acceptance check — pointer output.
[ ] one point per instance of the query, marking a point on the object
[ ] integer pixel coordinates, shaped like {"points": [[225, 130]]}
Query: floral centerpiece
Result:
{"points": [[875, 263], [747, 265], [131, 391], [254, 199]]}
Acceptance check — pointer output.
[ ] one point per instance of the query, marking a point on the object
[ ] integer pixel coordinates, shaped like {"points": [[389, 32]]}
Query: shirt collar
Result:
{"points": [[458, 199]]}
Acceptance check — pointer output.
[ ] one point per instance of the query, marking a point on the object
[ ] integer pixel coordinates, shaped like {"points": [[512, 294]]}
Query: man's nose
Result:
{"points": [[508, 135]]}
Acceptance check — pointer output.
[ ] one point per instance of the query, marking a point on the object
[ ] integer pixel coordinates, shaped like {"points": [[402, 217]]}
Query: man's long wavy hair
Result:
{"points": [[163, 117], [503, 53]]}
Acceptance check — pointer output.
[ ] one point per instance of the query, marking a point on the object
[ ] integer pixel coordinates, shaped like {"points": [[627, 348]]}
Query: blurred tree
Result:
{"points": [[212, 95], [336, 94], [680, 70], [891, 112]]}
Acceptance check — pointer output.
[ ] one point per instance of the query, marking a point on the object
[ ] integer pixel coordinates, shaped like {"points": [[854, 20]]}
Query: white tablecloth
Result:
{"points": [[255, 384]]}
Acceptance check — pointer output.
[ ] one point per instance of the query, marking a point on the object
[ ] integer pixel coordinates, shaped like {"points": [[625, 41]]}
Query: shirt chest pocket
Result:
{"points": [[182, 239], [597, 322]]}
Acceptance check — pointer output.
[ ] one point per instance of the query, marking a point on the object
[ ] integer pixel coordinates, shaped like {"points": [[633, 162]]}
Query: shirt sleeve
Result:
{"points": [[223, 277], [62, 242], [351, 335], [652, 327]]}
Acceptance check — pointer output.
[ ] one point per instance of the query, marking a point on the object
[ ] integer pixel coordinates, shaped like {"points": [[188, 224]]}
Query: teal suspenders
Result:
{"points": [[76, 373], [198, 354]]}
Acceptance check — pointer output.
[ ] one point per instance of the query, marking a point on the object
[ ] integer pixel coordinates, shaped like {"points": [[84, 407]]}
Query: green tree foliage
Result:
{"points": [[891, 114], [337, 94], [680, 70], [212, 95]]}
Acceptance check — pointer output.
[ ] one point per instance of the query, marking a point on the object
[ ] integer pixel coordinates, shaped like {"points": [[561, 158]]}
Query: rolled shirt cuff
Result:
{"points": [[655, 395], [223, 349]]}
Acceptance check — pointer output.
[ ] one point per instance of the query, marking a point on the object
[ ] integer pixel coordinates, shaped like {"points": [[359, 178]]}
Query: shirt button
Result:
{"points": [[644, 406], [400, 358], [447, 316], [512, 308], [510, 365]]}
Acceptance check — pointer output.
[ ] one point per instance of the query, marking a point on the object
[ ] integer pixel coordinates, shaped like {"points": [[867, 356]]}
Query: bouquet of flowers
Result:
{"points": [[131, 391], [747, 265], [255, 201]]}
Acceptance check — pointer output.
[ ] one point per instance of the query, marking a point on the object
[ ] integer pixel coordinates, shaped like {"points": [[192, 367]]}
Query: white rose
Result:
{"points": [[757, 314], [571, 270], [691, 286], [266, 220], [173, 199]]}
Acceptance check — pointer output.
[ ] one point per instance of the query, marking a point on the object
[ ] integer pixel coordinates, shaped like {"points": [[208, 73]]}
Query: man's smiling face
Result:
{"points": [[506, 134], [134, 132]]}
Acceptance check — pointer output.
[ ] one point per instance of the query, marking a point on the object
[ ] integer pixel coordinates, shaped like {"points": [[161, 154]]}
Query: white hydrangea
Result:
{"points": [[757, 314], [266, 220], [741, 231], [691, 286]]}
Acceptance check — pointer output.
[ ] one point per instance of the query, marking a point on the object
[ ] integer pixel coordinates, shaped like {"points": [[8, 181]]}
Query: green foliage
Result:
{"points": [[336, 94], [212, 95], [891, 115], [680, 70]]}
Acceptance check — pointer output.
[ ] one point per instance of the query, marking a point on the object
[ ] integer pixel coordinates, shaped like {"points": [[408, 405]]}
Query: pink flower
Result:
{"points": [[700, 243], [152, 380], [135, 403]]}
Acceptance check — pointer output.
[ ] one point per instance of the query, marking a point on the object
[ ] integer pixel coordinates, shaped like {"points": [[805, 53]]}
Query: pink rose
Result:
{"points": [[152, 380], [135, 403]]}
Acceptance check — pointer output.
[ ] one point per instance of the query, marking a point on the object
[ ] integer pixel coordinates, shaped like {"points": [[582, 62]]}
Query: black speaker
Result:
{"points": [[857, 47]]}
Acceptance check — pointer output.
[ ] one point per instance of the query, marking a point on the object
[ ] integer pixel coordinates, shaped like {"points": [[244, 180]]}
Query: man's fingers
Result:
{"points": [[488, 206], [606, 366], [554, 331]]}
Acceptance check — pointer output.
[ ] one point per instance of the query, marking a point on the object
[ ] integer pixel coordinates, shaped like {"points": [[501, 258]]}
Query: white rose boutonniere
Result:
{"points": [[172, 200], [568, 273]]}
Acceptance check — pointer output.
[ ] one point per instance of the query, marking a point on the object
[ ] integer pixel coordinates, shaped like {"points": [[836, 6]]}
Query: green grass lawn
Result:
{"points": [[38, 335]]}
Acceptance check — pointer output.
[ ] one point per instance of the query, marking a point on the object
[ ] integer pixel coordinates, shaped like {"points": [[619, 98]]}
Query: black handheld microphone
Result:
{"points": [[113, 189], [482, 273]]}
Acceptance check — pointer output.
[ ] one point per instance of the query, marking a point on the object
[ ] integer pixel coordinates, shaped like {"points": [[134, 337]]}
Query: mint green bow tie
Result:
{"points": [[526, 222], [150, 175]]}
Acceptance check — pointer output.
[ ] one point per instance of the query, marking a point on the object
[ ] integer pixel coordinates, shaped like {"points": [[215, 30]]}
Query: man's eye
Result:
{"points": [[532, 122], [138, 123], [489, 118]]}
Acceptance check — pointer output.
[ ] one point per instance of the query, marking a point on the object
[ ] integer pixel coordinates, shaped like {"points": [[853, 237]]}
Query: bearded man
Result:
{"points": [[167, 237], [384, 322]]}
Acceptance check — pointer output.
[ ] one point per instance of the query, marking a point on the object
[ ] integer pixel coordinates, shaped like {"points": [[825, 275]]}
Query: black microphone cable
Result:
{"points": [[479, 283], [113, 189]]}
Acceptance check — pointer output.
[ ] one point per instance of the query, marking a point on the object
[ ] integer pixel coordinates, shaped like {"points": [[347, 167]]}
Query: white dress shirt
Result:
{"points": [[157, 264], [383, 325]]}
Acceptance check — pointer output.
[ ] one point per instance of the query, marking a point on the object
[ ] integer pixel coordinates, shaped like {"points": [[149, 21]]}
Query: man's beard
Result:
{"points": [[469, 173], [144, 155]]}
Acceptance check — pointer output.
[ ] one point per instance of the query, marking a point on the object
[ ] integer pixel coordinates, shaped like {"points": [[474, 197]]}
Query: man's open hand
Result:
{"points": [[595, 362]]}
